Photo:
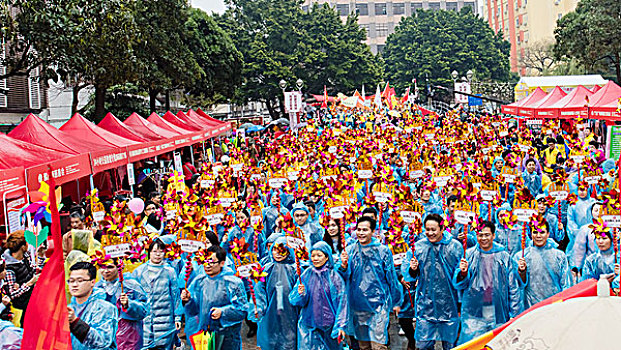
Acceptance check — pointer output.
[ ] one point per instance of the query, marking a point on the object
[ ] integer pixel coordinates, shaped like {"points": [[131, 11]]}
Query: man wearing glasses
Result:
{"points": [[92, 320]]}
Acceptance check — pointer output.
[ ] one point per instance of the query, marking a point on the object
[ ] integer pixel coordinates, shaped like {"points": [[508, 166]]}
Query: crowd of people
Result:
{"points": [[316, 238]]}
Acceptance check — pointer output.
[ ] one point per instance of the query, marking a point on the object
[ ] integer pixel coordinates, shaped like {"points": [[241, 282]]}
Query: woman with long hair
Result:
{"points": [[333, 235]]}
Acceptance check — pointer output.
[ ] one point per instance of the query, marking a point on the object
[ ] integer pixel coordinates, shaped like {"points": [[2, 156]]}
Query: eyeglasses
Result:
{"points": [[77, 281], [211, 262]]}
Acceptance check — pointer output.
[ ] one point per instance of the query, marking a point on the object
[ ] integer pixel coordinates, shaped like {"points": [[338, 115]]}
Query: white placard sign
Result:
{"points": [[365, 174], [295, 242], [382, 197], [245, 270], [131, 178], [488, 195], [277, 182], [338, 212], [613, 221], [559, 195], [441, 181], [214, 219], [117, 250], [409, 216], [190, 245], [524, 215], [464, 217]]}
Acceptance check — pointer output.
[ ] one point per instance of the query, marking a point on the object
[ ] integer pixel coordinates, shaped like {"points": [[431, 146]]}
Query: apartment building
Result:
{"points": [[379, 18], [525, 23]]}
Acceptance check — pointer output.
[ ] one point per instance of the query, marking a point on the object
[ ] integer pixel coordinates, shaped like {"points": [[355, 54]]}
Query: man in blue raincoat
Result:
{"points": [[543, 270], [277, 317], [313, 233], [92, 320], [131, 303], [372, 285], [432, 266], [487, 279], [219, 297], [271, 213]]}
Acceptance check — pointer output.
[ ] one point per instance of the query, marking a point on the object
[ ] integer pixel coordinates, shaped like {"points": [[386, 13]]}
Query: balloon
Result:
{"points": [[136, 205]]}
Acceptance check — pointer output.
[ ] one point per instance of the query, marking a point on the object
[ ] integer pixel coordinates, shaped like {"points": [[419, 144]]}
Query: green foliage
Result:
{"points": [[434, 43], [279, 41], [592, 35], [215, 53], [122, 101]]}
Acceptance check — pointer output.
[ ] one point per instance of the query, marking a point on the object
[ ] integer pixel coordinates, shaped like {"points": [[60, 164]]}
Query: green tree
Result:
{"points": [[431, 44], [215, 53], [163, 56], [592, 35]]}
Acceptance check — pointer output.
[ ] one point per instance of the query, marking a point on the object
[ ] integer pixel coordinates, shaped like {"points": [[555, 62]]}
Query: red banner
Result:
{"points": [[108, 159], [63, 170], [10, 179]]}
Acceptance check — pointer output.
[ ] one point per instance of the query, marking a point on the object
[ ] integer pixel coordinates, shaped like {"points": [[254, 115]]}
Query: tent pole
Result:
{"points": [[192, 153], [203, 143], [92, 182], [77, 182], [213, 154]]}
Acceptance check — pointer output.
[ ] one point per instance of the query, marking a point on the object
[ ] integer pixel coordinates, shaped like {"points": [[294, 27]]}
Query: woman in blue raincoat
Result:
{"points": [[579, 214], [584, 242], [159, 281], [372, 284], [256, 240], [322, 297], [491, 294], [219, 300], [271, 213], [603, 262], [531, 177], [277, 317], [130, 327], [543, 269], [431, 266]]}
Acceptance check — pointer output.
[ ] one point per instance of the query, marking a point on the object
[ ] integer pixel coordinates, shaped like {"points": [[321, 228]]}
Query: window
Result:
{"points": [[343, 9], [525, 19], [469, 4], [417, 5], [380, 9], [365, 27], [362, 9], [526, 37], [434, 5], [451, 6], [398, 9], [3, 99], [381, 29], [34, 90]]}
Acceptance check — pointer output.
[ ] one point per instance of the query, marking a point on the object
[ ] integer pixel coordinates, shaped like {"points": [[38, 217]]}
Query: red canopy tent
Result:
{"points": [[608, 111], [222, 126], [147, 128], [608, 93], [570, 105], [190, 121], [204, 121], [535, 96], [549, 100], [595, 88], [173, 119], [36, 131], [159, 121], [16, 153], [81, 128], [112, 124]]}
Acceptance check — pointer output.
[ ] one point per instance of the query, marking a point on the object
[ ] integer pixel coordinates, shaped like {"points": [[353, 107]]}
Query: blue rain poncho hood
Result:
{"points": [[299, 206], [324, 248], [290, 257]]}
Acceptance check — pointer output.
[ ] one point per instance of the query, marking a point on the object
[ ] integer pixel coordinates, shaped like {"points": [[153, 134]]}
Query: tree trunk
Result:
{"points": [[281, 102], [75, 100], [152, 97], [270, 108], [167, 100], [100, 102], [618, 67]]}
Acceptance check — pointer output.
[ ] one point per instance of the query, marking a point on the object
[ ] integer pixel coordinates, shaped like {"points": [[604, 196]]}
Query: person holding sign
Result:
{"points": [[431, 266], [542, 269], [219, 298], [584, 244], [278, 318], [159, 281], [556, 229], [313, 233], [579, 214], [604, 262], [272, 212], [322, 297], [372, 286], [531, 177], [131, 303], [487, 279]]}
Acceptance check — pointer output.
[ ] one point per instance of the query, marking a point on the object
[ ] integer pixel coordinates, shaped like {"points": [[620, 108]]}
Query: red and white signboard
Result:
{"points": [[10, 179], [293, 102], [63, 170]]}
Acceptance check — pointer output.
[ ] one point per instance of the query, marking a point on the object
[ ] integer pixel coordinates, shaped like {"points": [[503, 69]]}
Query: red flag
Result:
{"points": [[324, 104], [406, 96], [386, 92], [46, 325]]}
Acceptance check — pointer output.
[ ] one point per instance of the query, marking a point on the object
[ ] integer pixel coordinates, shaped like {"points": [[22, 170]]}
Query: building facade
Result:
{"points": [[525, 24], [380, 17]]}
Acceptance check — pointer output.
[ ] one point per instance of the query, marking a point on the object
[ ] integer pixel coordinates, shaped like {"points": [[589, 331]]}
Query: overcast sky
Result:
{"points": [[209, 5]]}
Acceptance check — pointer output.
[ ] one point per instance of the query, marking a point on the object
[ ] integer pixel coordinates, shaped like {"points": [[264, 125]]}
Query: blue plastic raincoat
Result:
{"points": [[224, 291], [547, 273], [129, 332], [323, 305], [277, 327], [160, 284], [584, 246], [373, 290], [101, 316], [437, 316], [491, 293], [270, 214], [578, 215], [532, 182], [600, 263], [313, 233]]}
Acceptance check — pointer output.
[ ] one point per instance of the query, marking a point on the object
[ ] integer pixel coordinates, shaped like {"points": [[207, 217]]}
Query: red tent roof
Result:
{"points": [[535, 96], [608, 93], [159, 121], [204, 121], [16, 153], [82, 129], [208, 117], [173, 119], [596, 88], [570, 105], [112, 124], [611, 110], [36, 131], [190, 121], [147, 128], [550, 99]]}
